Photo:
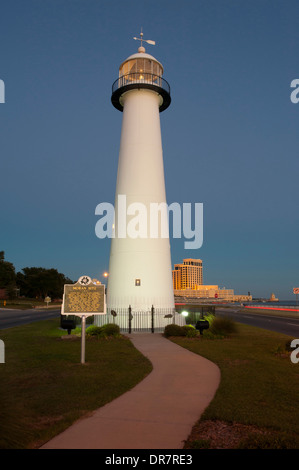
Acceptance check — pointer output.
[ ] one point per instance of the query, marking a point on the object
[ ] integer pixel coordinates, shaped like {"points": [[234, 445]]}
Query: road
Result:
{"points": [[12, 317], [287, 326]]}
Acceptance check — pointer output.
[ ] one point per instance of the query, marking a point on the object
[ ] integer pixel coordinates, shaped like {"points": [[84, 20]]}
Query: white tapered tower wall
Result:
{"points": [[141, 179], [140, 271]]}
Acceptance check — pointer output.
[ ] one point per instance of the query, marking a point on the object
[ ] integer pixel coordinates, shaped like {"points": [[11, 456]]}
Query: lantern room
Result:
{"points": [[141, 66], [140, 70]]}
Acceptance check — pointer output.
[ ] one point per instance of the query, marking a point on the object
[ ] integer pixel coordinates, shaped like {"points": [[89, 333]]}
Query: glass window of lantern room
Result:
{"points": [[122, 70], [148, 66], [158, 70], [128, 67], [140, 65], [132, 65]]}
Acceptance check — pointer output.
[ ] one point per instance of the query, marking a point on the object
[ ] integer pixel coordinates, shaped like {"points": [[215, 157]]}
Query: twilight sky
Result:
{"points": [[230, 137]]}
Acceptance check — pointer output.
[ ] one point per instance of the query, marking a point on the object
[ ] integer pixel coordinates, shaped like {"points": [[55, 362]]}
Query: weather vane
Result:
{"points": [[149, 41]]}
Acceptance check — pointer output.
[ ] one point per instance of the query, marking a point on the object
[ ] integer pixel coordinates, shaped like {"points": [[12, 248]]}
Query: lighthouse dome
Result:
{"points": [[141, 62]]}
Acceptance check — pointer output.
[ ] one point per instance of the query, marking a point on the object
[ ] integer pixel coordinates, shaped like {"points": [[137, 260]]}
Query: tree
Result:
{"points": [[7, 275], [40, 282]]}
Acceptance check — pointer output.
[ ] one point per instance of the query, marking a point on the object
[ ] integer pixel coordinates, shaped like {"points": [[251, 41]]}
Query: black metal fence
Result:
{"points": [[130, 321]]}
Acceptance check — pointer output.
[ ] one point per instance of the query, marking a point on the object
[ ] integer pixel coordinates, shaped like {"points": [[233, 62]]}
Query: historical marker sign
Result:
{"points": [[84, 298]]}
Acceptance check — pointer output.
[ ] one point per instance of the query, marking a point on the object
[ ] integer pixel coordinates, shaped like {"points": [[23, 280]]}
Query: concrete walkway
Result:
{"points": [[159, 412]]}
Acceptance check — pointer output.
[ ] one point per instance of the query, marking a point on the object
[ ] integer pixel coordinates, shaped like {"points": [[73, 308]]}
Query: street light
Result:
{"points": [[105, 275]]}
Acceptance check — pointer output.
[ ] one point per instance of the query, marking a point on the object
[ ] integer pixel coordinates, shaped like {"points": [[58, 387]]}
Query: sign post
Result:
{"points": [[83, 330], [85, 298], [296, 291]]}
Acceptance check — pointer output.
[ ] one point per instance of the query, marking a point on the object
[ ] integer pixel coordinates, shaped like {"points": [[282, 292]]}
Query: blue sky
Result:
{"points": [[230, 136]]}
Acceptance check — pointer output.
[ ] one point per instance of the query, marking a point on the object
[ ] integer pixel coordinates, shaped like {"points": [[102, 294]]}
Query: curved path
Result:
{"points": [[159, 412]]}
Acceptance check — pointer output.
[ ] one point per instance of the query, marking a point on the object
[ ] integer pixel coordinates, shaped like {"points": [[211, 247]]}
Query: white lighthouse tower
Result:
{"points": [[140, 273]]}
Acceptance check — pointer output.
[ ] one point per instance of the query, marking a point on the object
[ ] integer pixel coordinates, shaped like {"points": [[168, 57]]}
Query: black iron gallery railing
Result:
{"points": [[141, 78]]}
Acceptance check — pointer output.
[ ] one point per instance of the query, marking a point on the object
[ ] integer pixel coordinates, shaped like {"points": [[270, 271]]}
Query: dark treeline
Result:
{"points": [[34, 282]]}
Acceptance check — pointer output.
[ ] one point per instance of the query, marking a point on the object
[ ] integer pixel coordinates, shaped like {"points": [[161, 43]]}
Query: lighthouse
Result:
{"points": [[140, 273]]}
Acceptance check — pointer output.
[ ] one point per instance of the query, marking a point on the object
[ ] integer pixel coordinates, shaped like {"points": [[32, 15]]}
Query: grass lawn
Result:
{"points": [[256, 404], [25, 304], [45, 388]]}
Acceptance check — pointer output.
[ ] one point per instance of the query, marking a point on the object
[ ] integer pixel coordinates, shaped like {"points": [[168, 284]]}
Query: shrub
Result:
{"points": [[207, 334], [174, 330], [222, 326], [192, 333], [187, 327], [93, 330], [209, 317], [110, 329]]}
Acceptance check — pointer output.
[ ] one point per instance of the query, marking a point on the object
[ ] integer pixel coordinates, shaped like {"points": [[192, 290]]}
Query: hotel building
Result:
{"points": [[187, 275], [188, 283]]}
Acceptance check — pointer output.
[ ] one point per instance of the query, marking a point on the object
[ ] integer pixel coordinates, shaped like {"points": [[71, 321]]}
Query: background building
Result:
{"points": [[187, 275], [188, 283]]}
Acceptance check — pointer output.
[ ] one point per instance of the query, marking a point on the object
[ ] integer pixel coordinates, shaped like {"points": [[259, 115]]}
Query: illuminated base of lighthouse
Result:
{"points": [[134, 321]]}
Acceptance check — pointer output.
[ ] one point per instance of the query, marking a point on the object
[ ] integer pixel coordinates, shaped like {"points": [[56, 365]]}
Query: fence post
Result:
{"points": [[153, 311]]}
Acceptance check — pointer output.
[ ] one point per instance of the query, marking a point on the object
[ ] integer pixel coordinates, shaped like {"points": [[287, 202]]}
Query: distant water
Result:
{"points": [[280, 303]]}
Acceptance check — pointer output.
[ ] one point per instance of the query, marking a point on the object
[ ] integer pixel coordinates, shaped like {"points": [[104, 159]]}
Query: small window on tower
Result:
{"points": [[137, 282]]}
